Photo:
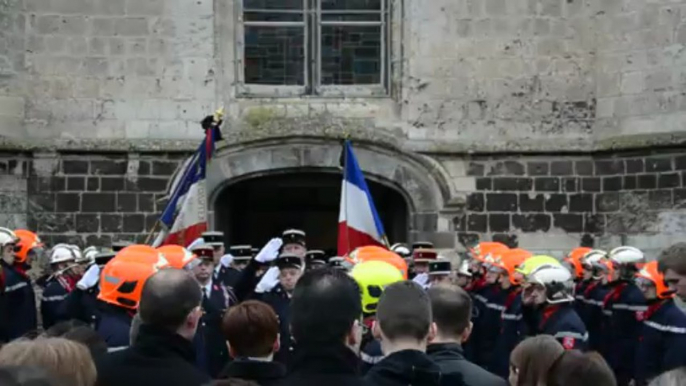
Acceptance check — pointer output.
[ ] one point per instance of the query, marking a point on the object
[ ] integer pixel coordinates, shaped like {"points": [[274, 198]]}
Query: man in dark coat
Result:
{"points": [[170, 311], [326, 311], [404, 325], [216, 300], [452, 310]]}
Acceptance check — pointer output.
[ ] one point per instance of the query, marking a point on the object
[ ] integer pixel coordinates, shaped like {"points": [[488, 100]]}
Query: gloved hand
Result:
{"points": [[226, 260], [270, 251], [269, 280], [422, 279], [90, 278]]}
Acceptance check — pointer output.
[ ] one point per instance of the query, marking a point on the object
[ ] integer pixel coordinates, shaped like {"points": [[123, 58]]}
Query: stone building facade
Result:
{"points": [[548, 123]]}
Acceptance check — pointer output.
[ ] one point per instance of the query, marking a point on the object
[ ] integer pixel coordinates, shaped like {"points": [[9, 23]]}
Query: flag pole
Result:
{"points": [[152, 232], [345, 191]]}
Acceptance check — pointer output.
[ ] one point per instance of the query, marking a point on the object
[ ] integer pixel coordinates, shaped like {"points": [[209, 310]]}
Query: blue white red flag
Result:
{"points": [[185, 217], [358, 221]]}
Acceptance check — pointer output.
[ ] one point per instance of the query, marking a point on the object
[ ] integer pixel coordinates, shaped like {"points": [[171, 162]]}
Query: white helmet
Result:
{"points": [[88, 255], [402, 250], [557, 281], [7, 236], [626, 255], [464, 269], [62, 253]]}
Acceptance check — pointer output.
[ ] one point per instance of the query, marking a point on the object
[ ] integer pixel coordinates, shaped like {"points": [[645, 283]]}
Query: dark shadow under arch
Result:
{"points": [[254, 209]]}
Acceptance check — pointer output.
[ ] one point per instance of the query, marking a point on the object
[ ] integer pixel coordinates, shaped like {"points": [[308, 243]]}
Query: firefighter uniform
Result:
{"points": [[280, 302], [594, 296], [114, 326], [53, 300], [512, 331], [564, 324], [492, 301], [216, 300], [19, 302], [621, 328], [662, 341]]}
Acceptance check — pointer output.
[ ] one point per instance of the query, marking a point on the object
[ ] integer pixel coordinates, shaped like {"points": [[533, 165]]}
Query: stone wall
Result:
{"points": [[552, 204], [87, 199]]}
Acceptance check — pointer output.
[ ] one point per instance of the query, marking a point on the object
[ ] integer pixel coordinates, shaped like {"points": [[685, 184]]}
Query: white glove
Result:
{"points": [[90, 278], [269, 280], [270, 251], [226, 260], [422, 279]]}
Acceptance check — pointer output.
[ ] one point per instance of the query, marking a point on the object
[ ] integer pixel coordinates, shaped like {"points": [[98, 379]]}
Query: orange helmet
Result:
{"points": [[573, 259], [509, 260], [27, 241], [650, 273], [374, 253], [177, 256], [485, 248], [122, 278]]}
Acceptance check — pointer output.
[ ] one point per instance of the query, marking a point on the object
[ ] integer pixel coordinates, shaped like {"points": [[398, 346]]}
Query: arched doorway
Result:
{"points": [[253, 210]]}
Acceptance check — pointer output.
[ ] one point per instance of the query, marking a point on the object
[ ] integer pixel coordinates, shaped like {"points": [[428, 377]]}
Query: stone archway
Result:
{"points": [[417, 181]]}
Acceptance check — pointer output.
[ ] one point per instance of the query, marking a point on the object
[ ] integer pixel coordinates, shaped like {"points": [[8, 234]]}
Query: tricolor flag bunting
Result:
{"points": [[358, 222], [185, 217]]}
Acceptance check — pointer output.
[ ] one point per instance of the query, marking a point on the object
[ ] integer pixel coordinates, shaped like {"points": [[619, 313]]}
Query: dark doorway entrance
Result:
{"points": [[257, 209]]}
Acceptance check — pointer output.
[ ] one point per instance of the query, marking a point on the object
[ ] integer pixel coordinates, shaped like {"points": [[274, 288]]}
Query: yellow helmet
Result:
{"points": [[373, 277], [534, 262]]}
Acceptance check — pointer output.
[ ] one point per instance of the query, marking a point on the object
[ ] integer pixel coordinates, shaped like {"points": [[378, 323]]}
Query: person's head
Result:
{"points": [[78, 331], [625, 261], [463, 277], [548, 284], [672, 264], [671, 378], [8, 245], [251, 330], [326, 309], [403, 317], [451, 307], [652, 283], [68, 361], [62, 259], [440, 271], [27, 376], [532, 359], [29, 246], [171, 300], [290, 270], [575, 368], [135, 328], [203, 272], [294, 243]]}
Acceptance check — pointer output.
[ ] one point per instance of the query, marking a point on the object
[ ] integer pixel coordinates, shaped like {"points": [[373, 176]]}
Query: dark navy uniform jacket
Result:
{"points": [[82, 305], [581, 303], [114, 326], [512, 331], [280, 301], [621, 328], [19, 303], [370, 354], [489, 303], [227, 276], [662, 341], [594, 297], [52, 303], [475, 290], [210, 344], [563, 323]]}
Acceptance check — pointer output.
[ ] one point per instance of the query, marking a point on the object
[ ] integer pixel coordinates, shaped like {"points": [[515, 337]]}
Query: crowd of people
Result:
{"points": [[285, 315]]}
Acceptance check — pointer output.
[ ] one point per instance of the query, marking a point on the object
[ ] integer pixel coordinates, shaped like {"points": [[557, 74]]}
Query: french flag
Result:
{"points": [[185, 217], [358, 222]]}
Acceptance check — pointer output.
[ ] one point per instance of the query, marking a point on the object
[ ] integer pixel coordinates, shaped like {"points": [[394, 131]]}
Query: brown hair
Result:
{"points": [[404, 311], [673, 258], [452, 309], [534, 357], [575, 368], [251, 328], [671, 378], [68, 361]]}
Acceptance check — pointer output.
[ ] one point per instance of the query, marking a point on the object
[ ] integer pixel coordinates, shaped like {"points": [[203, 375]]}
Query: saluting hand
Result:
{"points": [[270, 251]]}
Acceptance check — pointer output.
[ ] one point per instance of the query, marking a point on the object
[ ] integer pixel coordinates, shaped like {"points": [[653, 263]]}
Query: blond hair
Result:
{"points": [[534, 357], [68, 361]]}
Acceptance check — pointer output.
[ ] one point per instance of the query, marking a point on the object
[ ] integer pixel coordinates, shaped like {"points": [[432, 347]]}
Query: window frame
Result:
{"points": [[312, 24]]}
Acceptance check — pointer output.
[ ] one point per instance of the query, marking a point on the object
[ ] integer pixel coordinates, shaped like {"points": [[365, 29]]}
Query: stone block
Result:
{"points": [[110, 7], [98, 202], [109, 167], [476, 202], [647, 181], [668, 180], [127, 202], [609, 167], [658, 164], [133, 223], [111, 223], [12, 184], [484, 184], [68, 202], [660, 199], [112, 184], [591, 184], [42, 202], [74, 167], [581, 203], [569, 222], [475, 169], [145, 8], [507, 168], [146, 203], [531, 222], [547, 184], [612, 184], [499, 222], [87, 223], [501, 202], [538, 168], [607, 202], [131, 26], [594, 223], [556, 203], [512, 184], [164, 168], [148, 184], [584, 168], [634, 166], [477, 223]]}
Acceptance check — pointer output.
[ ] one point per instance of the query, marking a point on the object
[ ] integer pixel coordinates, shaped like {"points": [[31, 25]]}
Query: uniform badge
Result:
{"points": [[568, 343], [640, 316]]}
